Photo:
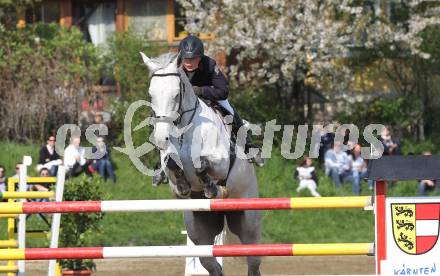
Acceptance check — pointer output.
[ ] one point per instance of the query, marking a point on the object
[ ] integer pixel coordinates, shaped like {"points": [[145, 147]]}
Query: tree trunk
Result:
{"points": [[298, 92], [309, 107]]}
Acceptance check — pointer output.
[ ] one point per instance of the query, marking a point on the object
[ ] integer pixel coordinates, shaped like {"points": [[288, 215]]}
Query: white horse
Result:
{"points": [[194, 146]]}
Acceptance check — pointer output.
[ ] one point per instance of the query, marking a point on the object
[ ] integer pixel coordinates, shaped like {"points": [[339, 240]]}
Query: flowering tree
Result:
{"points": [[289, 44], [405, 40], [401, 28], [284, 44]]}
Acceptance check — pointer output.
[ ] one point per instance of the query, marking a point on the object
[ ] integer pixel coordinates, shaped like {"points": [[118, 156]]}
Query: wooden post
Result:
{"points": [[220, 57], [380, 203], [21, 17], [170, 21], [66, 13], [121, 20]]}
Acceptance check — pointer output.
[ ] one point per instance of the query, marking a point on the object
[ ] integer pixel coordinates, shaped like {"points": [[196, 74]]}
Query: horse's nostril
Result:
{"points": [[166, 138]]}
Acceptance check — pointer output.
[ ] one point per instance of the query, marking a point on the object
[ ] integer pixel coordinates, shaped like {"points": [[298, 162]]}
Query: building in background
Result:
{"points": [[160, 20]]}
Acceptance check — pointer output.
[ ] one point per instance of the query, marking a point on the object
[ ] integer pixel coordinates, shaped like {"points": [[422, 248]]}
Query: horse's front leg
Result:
{"points": [[210, 187], [181, 187]]}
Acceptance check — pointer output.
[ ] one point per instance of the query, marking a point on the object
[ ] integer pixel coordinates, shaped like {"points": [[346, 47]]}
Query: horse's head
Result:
{"points": [[165, 95]]}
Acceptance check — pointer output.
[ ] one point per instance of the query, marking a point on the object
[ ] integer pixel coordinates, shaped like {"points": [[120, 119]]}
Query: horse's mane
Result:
{"points": [[163, 60], [184, 79]]}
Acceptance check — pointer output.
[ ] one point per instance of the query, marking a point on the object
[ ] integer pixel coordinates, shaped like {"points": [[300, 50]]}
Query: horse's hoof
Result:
{"points": [[222, 192], [210, 191]]}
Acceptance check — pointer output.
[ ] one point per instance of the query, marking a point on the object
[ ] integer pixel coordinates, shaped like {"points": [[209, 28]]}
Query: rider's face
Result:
{"points": [[191, 64]]}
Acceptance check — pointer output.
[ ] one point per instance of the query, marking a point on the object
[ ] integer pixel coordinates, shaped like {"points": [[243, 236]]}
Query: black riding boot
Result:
{"points": [[236, 125]]}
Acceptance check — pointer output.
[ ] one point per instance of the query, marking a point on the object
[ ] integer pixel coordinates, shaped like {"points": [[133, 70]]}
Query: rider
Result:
{"points": [[210, 84]]}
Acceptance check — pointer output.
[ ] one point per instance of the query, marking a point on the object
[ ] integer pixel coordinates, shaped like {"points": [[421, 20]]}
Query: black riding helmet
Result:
{"points": [[191, 47]]}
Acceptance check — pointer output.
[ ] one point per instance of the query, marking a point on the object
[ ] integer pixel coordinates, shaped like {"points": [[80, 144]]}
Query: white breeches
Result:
{"points": [[227, 106]]}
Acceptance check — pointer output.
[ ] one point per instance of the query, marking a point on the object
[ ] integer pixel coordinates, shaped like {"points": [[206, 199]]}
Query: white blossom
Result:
{"points": [[288, 41]]}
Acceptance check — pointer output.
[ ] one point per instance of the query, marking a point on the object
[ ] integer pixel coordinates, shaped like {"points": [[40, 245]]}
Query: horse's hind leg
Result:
{"points": [[247, 226], [202, 227]]}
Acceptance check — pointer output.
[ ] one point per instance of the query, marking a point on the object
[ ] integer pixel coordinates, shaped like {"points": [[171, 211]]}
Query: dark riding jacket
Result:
{"points": [[210, 79]]}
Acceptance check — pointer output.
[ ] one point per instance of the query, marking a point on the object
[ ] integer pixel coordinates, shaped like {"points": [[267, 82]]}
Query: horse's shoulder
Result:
{"points": [[210, 119]]}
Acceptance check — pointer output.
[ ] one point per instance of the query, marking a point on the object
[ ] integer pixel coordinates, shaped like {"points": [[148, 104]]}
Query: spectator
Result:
{"points": [[326, 143], [16, 175], [17, 170], [338, 164], [44, 172], [49, 158], [305, 172], [74, 158], [3, 179], [99, 120], [36, 187], [390, 146], [428, 184], [359, 168], [103, 165]]}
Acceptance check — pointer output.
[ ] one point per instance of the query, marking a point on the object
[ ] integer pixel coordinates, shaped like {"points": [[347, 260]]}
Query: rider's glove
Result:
{"points": [[197, 90]]}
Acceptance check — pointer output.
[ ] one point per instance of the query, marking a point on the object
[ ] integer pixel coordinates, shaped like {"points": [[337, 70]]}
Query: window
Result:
{"points": [[180, 21]]}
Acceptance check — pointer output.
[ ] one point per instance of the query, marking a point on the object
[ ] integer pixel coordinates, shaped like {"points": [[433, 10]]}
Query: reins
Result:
{"points": [[181, 95]]}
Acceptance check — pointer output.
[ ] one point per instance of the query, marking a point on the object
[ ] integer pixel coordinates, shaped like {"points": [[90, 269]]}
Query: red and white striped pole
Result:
{"points": [[230, 204], [188, 251]]}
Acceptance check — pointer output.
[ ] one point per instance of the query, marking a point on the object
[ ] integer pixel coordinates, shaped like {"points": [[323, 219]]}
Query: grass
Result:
{"points": [[163, 228]]}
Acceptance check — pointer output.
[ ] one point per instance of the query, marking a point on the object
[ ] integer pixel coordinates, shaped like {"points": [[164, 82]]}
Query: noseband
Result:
{"points": [[168, 118]]}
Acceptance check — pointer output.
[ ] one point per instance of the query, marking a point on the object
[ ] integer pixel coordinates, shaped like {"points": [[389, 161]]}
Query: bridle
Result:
{"points": [[168, 118]]}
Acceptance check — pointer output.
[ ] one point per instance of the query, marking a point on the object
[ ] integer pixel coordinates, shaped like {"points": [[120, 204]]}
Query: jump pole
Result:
{"points": [[32, 195], [239, 250], [56, 218], [238, 204], [8, 269], [22, 217]]}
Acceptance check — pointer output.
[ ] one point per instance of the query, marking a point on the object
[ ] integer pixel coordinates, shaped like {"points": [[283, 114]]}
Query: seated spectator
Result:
{"points": [[428, 184], [359, 169], [16, 175], [17, 170], [338, 164], [306, 174], [103, 165], [99, 120], [390, 146], [42, 187], [3, 179], [326, 143], [49, 158], [74, 158]]}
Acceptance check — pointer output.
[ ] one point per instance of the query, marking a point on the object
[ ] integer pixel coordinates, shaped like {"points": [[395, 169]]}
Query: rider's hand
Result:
{"points": [[197, 90]]}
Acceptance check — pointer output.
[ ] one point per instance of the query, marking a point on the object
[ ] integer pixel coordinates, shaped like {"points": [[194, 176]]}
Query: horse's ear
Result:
{"points": [[150, 64]]}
